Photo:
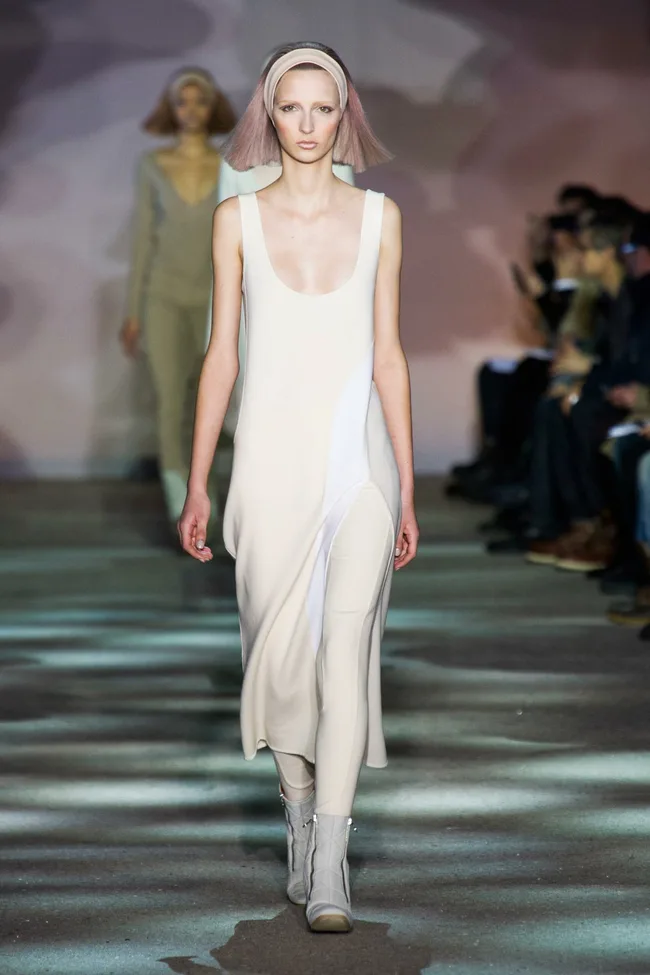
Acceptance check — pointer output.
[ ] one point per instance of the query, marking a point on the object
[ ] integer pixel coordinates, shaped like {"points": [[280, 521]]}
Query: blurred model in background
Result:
{"points": [[171, 272]]}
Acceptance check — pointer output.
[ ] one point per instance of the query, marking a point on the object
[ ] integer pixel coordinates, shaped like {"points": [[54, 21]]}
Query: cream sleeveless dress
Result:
{"points": [[311, 452]]}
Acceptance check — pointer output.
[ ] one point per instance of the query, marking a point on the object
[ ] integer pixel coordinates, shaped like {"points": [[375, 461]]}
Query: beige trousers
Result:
{"points": [[362, 544], [175, 345]]}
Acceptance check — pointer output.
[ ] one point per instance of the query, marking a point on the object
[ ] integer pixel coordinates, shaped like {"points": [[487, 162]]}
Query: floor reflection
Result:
{"points": [[510, 832]]}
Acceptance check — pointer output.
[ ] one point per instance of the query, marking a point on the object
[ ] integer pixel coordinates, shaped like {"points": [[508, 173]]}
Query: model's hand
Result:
{"points": [[407, 537], [193, 526], [130, 337]]}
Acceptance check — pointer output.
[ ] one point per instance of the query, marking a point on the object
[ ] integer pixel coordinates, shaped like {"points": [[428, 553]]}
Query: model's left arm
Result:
{"points": [[391, 374]]}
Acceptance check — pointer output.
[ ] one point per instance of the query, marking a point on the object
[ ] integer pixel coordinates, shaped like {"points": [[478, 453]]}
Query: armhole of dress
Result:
{"points": [[376, 224], [241, 199]]}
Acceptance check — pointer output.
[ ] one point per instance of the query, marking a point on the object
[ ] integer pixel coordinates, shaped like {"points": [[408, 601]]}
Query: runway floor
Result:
{"points": [[509, 834]]}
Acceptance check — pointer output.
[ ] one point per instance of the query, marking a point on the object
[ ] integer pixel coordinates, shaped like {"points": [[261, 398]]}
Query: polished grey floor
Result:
{"points": [[509, 834]]}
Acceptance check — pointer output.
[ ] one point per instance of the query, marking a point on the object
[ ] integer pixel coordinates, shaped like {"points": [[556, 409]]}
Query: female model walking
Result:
{"points": [[320, 507], [171, 274]]}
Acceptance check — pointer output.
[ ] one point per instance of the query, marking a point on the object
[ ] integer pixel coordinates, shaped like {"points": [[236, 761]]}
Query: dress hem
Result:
{"points": [[249, 756]]}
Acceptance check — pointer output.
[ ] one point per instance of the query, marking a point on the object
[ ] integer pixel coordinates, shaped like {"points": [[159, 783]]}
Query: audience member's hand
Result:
{"points": [[624, 396], [645, 431], [130, 337], [570, 399], [571, 360], [535, 285]]}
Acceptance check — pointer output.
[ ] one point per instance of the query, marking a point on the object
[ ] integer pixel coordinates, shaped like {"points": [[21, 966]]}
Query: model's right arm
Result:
{"points": [[218, 375], [141, 246]]}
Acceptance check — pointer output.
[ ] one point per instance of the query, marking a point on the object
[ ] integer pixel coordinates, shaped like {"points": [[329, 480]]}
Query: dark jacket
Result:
{"points": [[622, 338]]}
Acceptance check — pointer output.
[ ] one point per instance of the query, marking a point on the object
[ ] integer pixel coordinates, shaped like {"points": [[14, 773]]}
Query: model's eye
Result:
{"points": [[326, 109], [287, 108]]}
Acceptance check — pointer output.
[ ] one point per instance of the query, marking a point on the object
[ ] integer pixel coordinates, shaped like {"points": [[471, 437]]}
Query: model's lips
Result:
{"points": [[307, 145]]}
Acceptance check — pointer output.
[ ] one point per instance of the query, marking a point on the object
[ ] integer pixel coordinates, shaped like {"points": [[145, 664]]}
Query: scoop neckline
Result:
{"points": [[319, 294], [174, 189]]}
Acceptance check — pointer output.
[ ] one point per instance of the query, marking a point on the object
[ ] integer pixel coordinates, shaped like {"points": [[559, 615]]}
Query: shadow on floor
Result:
{"points": [[289, 948]]}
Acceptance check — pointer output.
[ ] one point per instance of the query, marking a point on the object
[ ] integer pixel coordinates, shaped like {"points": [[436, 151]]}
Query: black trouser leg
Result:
{"points": [[555, 499], [529, 382], [493, 390], [627, 453], [590, 419]]}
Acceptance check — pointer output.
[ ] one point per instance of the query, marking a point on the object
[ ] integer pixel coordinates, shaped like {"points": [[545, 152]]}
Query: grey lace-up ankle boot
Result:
{"points": [[299, 816], [327, 879]]}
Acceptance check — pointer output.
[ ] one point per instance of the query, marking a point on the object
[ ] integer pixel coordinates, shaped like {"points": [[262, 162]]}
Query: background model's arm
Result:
{"points": [[218, 375], [142, 231], [391, 373]]}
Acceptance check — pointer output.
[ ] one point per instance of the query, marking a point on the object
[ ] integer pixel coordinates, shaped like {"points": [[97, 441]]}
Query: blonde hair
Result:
{"points": [[162, 121]]}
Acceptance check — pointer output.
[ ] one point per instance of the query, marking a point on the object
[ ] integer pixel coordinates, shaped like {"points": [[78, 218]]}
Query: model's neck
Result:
{"points": [[192, 143], [308, 186]]}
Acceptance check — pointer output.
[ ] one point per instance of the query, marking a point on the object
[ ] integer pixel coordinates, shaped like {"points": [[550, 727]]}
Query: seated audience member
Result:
{"points": [[508, 391], [638, 612], [571, 480], [574, 356], [576, 198]]}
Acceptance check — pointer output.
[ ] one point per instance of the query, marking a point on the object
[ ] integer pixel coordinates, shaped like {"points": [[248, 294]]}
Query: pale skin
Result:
{"points": [[311, 224], [192, 166]]}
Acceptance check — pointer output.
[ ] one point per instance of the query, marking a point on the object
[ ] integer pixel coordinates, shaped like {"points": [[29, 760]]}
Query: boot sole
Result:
{"points": [[636, 620], [331, 922], [575, 565], [536, 559]]}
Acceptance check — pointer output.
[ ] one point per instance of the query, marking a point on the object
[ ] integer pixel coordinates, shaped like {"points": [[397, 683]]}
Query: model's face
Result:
{"points": [[193, 107], [306, 113]]}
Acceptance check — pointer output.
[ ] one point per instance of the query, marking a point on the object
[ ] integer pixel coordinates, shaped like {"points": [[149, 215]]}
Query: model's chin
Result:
{"points": [[303, 155]]}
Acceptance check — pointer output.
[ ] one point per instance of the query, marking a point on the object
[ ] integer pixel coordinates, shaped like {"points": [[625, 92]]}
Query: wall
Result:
{"points": [[488, 105]]}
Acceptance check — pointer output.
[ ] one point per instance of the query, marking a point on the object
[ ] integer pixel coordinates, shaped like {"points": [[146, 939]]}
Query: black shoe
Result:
{"points": [[484, 458], [513, 520], [510, 495], [506, 546], [622, 578]]}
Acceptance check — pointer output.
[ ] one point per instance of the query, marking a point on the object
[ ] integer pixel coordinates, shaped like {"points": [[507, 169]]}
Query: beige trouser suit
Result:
{"points": [[311, 519], [169, 291]]}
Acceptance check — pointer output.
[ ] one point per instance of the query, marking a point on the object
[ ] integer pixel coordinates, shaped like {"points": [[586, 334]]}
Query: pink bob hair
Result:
{"points": [[254, 141]]}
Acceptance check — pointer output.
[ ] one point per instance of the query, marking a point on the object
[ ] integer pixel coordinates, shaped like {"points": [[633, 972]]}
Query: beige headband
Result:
{"points": [[303, 55], [191, 78]]}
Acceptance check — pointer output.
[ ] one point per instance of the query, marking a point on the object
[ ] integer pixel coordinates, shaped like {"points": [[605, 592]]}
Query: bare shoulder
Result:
{"points": [[226, 222], [391, 227], [227, 213], [392, 215]]}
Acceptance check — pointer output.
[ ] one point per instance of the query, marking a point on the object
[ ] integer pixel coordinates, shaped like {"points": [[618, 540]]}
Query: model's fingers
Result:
{"points": [[200, 534], [186, 529]]}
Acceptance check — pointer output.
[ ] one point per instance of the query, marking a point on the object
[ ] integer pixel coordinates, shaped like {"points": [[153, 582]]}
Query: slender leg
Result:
{"points": [[170, 357], [355, 576], [297, 784]]}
